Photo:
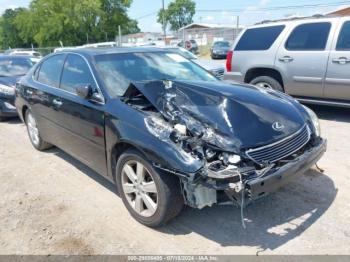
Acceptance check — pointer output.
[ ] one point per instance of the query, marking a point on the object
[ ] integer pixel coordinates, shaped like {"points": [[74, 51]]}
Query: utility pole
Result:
{"points": [[237, 26], [164, 25], [120, 36]]}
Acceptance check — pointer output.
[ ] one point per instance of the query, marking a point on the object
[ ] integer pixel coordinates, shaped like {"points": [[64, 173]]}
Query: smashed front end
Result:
{"points": [[198, 124]]}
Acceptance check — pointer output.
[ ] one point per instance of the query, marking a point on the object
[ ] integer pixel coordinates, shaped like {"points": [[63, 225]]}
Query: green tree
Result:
{"points": [[178, 14], [47, 22], [9, 32]]}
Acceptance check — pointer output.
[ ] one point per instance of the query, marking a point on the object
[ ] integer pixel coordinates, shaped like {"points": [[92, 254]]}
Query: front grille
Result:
{"points": [[219, 73], [280, 149]]}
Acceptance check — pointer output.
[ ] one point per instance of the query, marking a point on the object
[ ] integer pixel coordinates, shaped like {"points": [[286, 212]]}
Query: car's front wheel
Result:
{"points": [[151, 197], [267, 82], [34, 133]]}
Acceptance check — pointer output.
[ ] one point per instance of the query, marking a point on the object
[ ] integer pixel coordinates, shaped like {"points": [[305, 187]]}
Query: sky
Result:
{"points": [[226, 11]]}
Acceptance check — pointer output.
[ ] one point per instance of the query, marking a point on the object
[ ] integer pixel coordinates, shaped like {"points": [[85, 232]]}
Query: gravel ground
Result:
{"points": [[52, 204]]}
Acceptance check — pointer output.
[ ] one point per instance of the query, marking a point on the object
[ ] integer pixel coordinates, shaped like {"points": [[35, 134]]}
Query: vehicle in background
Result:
{"points": [[31, 53], [59, 49], [166, 131], [11, 69], [220, 49], [99, 45], [190, 45], [307, 58], [215, 68]]}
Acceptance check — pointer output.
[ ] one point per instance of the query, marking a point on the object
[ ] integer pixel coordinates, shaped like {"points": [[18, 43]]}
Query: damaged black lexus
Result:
{"points": [[166, 131]]}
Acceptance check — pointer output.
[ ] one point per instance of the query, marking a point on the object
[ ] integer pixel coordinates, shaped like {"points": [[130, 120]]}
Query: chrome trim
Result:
{"points": [[322, 102], [281, 142], [86, 61]]}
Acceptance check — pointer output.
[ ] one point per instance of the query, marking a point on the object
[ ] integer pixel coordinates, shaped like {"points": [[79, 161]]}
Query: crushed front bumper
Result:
{"points": [[260, 187]]}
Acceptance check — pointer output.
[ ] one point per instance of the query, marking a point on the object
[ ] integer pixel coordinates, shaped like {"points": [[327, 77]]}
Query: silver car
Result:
{"points": [[306, 58]]}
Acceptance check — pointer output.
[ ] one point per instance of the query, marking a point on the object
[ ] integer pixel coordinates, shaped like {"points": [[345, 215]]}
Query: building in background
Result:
{"points": [[340, 12], [205, 34]]}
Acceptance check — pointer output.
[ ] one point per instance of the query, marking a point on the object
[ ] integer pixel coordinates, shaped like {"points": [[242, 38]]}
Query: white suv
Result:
{"points": [[306, 58]]}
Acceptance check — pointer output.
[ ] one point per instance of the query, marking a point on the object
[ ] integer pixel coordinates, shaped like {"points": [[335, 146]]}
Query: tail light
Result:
{"points": [[229, 61]]}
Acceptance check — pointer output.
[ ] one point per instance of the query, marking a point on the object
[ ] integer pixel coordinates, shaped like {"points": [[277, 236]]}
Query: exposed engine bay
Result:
{"points": [[204, 131]]}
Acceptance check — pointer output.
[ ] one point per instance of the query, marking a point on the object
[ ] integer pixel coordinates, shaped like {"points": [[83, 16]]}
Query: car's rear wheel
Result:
{"points": [[152, 198], [267, 82], [34, 133]]}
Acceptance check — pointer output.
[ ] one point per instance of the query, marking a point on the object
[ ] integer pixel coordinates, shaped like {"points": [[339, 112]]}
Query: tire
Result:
{"points": [[2, 119], [36, 141], [267, 82], [168, 198]]}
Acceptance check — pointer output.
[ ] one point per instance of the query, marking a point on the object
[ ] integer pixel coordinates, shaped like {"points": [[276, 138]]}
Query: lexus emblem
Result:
{"points": [[277, 126]]}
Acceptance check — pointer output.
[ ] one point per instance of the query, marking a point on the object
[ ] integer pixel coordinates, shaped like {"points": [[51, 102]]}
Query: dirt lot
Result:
{"points": [[52, 204]]}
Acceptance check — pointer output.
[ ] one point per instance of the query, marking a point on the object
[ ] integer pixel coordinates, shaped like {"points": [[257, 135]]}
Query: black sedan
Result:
{"points": [[220, 49], [11, 69], [166, 131]]}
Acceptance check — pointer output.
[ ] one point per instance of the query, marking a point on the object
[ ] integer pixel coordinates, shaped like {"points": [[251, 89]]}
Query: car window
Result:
{"points": [[344, 37], [221, 44], [14, 66], [75, 73], [260, 38], [50, 70], [309, 37]]}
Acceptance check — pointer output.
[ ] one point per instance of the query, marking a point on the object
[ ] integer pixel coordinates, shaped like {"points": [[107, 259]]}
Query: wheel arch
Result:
{"points": [[263, 71]]}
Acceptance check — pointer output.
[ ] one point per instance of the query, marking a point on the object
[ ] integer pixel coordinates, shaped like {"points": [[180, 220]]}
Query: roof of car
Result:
{"points": [[15, 56], [110, 50]]}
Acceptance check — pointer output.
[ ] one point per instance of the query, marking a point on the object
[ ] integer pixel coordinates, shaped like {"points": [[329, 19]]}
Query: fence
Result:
{"points": [[206, 36]]}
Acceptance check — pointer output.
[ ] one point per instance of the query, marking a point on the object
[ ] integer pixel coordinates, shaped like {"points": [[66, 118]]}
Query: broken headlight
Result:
{"points": [[314, 120], [158, 127]]}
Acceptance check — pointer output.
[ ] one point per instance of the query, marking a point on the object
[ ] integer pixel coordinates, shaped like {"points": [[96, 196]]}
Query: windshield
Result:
{"points": [[183, 52], [14, 66], [118, 70], [222, 44]]}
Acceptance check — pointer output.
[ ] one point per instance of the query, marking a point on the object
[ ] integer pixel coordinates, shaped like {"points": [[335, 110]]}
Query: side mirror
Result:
{"points": [[84, 91]]}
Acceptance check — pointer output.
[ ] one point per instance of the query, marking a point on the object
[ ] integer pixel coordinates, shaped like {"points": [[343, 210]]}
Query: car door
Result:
{"points": [[337, 83], [81, 121], [302, 59], [42, 93]]}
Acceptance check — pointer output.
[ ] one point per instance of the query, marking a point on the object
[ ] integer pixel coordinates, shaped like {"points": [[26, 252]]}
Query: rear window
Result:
{"points": [[309, 37], [260, 38]]}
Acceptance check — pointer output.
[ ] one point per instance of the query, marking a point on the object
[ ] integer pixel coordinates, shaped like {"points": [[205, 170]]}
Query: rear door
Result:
{"points": [[337, 84], [302, 58], [81, 121]]}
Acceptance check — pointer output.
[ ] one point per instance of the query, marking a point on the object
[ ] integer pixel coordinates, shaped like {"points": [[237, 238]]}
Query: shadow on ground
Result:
{"points": [[271, 222], [332, 113]]}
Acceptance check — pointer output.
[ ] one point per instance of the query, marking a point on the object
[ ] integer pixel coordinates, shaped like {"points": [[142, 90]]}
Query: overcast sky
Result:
{"points": [[250, 11]]}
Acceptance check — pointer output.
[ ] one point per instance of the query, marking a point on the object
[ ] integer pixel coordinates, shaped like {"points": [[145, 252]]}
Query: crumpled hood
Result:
{"points": [[241, 114]]}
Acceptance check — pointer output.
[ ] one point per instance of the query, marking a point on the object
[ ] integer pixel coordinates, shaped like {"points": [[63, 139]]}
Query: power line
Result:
{"points": [[273, 8], [146, 15]]}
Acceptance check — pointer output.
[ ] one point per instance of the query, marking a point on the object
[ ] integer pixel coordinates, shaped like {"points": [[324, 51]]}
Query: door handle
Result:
{"points": [[341, 60], [286, 59], [57, 102]]}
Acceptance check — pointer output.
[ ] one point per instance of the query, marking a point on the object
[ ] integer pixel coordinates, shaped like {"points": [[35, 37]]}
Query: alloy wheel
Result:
{"points": [[264, 85], [33, 129], [139, 188]]}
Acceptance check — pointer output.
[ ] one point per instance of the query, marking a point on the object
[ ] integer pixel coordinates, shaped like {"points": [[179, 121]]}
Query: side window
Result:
{"points": [[309, 37], [76, 73], [344, 38], [50, 70], [260, 38]]}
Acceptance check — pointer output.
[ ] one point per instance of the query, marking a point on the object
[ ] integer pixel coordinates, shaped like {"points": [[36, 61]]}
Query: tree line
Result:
{"points": [[70, 22]]}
